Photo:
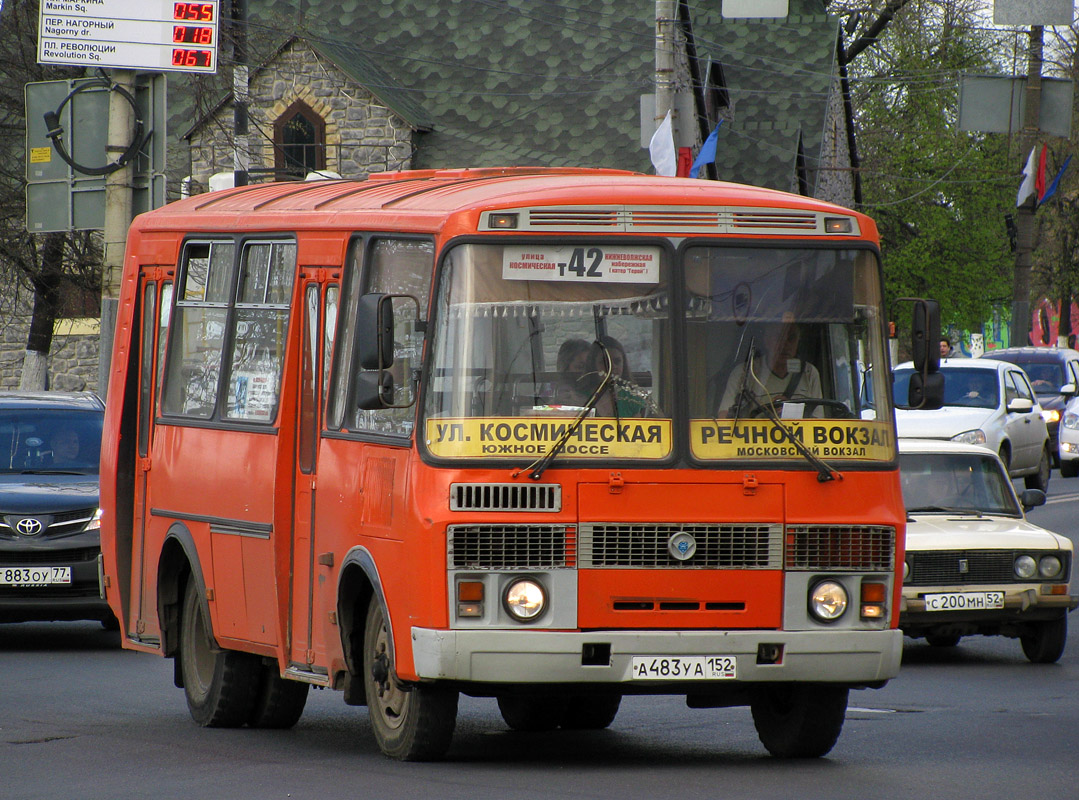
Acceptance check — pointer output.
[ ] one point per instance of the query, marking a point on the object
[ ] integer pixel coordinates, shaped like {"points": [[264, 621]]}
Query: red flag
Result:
{"points": [[685, 162], [1039, 179]]}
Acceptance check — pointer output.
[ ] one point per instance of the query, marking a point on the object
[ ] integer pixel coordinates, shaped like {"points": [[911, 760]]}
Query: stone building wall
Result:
{"points": [[361, 135], [73, 358]]}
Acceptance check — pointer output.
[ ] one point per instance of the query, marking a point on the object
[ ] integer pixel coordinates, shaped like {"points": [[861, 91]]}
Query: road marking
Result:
{"points": [[1067, 498]]}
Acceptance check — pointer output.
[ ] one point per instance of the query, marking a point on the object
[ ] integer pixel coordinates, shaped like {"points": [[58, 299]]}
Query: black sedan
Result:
{"points": [[50, 443]]}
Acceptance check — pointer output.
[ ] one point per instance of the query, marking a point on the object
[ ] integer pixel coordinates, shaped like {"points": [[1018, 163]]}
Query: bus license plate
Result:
{"points": [[691, 668], [34, 576], [964, 601]]}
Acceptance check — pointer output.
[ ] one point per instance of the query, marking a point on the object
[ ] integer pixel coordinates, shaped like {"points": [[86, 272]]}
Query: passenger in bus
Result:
{"points": [[778, 375], [622, 397], [573, 364]]}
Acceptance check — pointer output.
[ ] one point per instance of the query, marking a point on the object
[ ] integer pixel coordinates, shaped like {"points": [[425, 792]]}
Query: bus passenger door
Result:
{"points": [[155, 293], [319, 318]]}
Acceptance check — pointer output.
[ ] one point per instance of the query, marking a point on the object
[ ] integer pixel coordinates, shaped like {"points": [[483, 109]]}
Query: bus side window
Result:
{"points": [[260, 330], [193, 368], [394, 266]]}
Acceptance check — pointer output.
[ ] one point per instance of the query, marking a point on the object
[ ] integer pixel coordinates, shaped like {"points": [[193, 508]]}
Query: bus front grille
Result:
{"points": [[713, 546], [505, 497], [512, 546], [841, 547]]}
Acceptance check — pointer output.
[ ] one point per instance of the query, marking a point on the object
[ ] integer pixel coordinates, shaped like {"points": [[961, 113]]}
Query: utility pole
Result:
{"points": [[118, 214], [666, 20], [1024, 217], [240, 98]]}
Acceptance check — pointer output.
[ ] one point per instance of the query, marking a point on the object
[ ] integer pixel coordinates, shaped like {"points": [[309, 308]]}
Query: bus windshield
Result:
{"points": [[530, 337]]}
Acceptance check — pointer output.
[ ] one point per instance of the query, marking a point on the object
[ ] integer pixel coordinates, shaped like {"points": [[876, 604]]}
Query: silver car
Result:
{"points": [[989, 403]]}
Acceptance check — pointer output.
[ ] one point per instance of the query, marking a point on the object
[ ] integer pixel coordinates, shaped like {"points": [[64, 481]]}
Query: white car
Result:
{"points": [[986, 402], [974, 565], [1068, 440]]}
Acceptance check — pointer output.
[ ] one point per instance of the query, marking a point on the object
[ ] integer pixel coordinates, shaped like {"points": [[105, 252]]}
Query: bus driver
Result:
{"points": [[777, 374]]}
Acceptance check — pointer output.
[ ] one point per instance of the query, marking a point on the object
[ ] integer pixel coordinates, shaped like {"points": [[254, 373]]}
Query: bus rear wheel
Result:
{"points": [[798, 720], [279, 702], [220, 685], [532, 712], [588, 713], [410, 723]]}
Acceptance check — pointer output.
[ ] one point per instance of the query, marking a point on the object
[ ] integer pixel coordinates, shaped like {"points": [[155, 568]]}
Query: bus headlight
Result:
{"points": [[525, 599], [828, 600]]}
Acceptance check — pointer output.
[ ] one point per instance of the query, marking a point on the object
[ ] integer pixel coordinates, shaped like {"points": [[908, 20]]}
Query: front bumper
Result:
{"points": [[80, 599], [521, 657], [1022, 605]]}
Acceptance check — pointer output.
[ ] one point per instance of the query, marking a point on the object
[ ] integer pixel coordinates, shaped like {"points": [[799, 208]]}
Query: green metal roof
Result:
{"points": [[558, 83]]}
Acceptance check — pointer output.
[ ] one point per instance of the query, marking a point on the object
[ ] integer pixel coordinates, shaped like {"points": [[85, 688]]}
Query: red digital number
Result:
{"points": [[194, 12], [186, 34], [182, 57]]}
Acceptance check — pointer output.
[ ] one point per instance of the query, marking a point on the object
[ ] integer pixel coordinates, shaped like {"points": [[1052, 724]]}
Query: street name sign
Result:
{"points": [[159, 35]]}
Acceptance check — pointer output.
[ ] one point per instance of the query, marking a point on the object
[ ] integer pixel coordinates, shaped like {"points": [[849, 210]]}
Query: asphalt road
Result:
{"points": [[80, 718]]}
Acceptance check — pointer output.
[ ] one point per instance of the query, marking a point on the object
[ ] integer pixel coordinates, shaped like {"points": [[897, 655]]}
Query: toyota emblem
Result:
{"points": [[28, 526]]}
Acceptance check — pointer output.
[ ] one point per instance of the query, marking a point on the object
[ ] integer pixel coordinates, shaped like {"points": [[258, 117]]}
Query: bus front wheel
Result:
{"points": [[220, 685], [410, 723], [798, 720]]}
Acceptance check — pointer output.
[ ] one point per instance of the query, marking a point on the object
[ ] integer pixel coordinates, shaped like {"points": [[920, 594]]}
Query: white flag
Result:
{"points": [[1026, 188], [661, 148]]}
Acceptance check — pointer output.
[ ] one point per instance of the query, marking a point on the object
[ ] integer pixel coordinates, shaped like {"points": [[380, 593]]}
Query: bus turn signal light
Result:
{"points": [[470, 599], [873, 597]]}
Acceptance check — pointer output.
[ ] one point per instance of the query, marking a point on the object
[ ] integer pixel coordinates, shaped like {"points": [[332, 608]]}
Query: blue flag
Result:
{"points": [[708, 152], [1052, 187]]}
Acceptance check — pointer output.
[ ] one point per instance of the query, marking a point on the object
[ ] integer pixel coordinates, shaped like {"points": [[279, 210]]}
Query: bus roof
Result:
{"points": [[436, 194]]}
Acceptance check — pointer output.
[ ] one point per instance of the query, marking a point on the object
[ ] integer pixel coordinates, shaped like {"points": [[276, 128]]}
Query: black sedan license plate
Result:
{"points": [[34, 576]]}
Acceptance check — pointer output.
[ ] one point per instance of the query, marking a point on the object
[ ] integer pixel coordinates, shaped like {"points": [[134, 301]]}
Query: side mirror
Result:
{"points": [[1020, 405], [373, 390], [1068, 388], [374, 331], [926, 391], [1032, 498], [925, 336]]}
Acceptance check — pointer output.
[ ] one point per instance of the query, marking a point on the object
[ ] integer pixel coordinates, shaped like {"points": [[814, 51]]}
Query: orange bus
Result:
{"points": [[551, 436]]}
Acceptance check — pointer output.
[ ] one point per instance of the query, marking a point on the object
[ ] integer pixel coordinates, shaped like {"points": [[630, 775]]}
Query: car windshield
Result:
{"points": [[973, 388], [950, 482], [1045, 378], [49, 440]]}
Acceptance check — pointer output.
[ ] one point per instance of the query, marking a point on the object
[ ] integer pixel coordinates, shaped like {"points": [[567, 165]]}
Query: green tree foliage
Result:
{"points": [[939, 194]]}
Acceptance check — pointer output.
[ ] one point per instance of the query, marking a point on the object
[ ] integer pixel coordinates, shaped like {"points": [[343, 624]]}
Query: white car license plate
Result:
{"points": [[964, 601], [692, 668], [34, 576]]}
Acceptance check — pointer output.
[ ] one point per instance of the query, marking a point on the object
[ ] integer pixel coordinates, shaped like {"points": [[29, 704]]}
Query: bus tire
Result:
{"points": [[410, 723], [219, 684], [591, 713], [798, 720], [532, 712], [279, 702], [1044, 642]]}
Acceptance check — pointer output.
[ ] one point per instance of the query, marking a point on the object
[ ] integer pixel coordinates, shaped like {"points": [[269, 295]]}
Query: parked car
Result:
{"points": [[986, 402], [974, 565], [1054, 376], [50, 443], [1068, 440]]}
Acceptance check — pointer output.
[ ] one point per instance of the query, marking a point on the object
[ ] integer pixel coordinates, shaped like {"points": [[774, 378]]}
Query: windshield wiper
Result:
{"points": [[536, 468], [824, 472], [946, 510]]}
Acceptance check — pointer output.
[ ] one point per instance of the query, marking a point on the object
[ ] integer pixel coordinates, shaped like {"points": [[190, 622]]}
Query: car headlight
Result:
{"points": [[1071, 420], [1026, 567], [95, 522], [970, 437], [1050, 414], [525, 599], [1050, 567], [828, 600]]}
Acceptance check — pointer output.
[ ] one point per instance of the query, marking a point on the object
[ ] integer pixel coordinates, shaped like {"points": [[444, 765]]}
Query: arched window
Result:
{"points": [[299, 142]]}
